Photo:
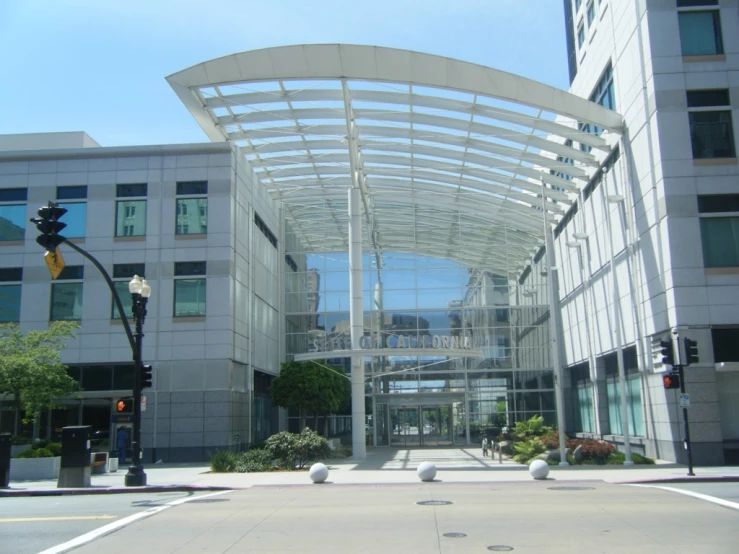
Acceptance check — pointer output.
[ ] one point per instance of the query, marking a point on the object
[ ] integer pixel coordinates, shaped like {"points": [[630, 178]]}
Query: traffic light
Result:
{"points": [[124, 405], [146, 376], [668, 355], [49, 226], [691, 351], [671, 380]]}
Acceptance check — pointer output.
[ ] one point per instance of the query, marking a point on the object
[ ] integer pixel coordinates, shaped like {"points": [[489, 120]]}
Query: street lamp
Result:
{"points": [[140, 292]]}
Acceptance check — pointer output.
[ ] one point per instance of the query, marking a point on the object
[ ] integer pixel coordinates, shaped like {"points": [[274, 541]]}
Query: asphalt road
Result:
{"points": [[531, 516], [29, 525]]}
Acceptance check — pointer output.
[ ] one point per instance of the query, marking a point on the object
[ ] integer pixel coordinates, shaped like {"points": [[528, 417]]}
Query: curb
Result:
{"points": [[113, 490], [694, 479]]}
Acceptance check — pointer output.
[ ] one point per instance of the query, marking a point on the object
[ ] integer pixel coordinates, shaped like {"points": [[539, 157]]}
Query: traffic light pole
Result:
{"points": [[681, 373], [136, 477], [685, 422]]}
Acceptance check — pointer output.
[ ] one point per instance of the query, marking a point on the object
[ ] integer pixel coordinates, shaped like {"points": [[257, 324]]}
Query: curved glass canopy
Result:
{"points": [[451, 158]]}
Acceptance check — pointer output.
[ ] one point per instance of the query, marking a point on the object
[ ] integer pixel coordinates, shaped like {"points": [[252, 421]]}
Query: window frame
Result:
{"points": [[725, 109], [14, 280], [711, 212], [121, 275], [21, 200], [182, 195], [189, 271], [65, 278], [701, 6], [124, 196]]}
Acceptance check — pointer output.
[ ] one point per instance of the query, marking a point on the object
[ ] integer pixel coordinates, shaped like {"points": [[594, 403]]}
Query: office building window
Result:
{"points": [[189, 289], [13, 214], [73, 199], [719, 229], [700, 29], [192, 208], [66, 297], [10, 294], [130, 210], [577, 5], [122, 274], [580, 35], [604, 94], [711, 131], [591, 13], [725, 344]]}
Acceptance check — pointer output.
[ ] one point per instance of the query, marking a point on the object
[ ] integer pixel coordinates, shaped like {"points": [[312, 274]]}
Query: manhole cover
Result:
{"points": [[433, 502], [455, 535], [571, 488], [208, 500], [500, 548]]}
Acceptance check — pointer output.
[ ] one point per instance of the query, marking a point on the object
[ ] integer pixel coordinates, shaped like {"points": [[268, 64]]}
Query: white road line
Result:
{"points": [[707, 498], [107, 529]]}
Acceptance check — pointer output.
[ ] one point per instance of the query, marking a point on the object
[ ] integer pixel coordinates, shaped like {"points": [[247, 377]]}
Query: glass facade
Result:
{"points": [[461, 352]]}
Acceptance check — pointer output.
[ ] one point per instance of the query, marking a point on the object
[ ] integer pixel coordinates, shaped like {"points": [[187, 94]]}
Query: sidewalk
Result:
{"points": [[383, 466]]}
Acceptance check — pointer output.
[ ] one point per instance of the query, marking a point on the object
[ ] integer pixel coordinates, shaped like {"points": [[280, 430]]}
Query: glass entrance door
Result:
{"points": [[417, 426]]}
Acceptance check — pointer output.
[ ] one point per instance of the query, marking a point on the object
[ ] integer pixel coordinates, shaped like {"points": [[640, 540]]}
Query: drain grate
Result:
{"points": [[567, 488], [500, 548], [434, 502], [455, 535]]}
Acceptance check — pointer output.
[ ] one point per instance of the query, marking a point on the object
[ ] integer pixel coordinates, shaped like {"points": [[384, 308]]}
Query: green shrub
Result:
{"points": [[255, 460], [618, 458], [527, 450], [534, 427], [293, 451], [43, 453], [222, 461], [55, 447], [18, 439], [281, 447], [30, 453]]}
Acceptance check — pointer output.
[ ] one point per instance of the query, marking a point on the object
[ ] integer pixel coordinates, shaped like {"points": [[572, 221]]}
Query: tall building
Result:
{"points": [[664, 218], [472, 247]]}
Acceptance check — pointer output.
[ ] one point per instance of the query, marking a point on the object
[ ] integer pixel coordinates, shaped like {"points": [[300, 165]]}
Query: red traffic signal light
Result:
{"points": [[671, 380], [124, 405]]}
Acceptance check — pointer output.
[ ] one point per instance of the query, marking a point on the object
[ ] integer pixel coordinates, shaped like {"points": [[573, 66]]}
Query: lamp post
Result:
{"points": [[140, 292]]}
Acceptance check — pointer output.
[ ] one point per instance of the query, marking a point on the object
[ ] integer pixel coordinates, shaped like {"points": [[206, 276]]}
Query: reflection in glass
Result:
{"points": [[121, 288], [12, 222], [10, 303], [130, 218], [189, 297], [75, 218], [66, 302], [192, 216]]}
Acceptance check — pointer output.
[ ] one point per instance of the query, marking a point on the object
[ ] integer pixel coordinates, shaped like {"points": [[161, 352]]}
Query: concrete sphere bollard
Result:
{"points": [[318, 473], [539, 469], [426, 471]]}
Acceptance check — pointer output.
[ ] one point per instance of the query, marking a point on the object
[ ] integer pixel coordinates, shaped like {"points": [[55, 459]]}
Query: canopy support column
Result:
{"points": [[356, 322], [554, 331]]}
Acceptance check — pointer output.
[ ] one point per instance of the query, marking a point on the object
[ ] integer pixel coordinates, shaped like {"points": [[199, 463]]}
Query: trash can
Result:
{"points": [[75, 464], [4, 460]]}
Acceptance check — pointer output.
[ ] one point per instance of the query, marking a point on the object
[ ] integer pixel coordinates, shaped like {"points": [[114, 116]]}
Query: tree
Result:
{"points": [[310, 387], [31, 370]]}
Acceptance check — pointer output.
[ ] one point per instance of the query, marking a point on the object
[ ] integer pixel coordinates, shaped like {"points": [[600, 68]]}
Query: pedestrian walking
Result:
{"points": [[484, 446]]}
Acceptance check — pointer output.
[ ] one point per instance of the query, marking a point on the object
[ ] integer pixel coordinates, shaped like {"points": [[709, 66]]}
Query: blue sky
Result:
{"points": [[99, 65]]}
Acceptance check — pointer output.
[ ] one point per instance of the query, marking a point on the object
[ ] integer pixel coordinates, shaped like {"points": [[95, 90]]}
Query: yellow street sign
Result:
{"points": [[55, 262]]}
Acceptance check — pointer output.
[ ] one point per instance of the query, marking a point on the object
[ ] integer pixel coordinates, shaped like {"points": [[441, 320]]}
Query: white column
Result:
{"points": [[554, 331], [617, 326], [356, 321]]}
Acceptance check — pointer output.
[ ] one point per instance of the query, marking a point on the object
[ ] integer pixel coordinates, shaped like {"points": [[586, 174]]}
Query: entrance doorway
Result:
{"points": [[418, 426]]}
